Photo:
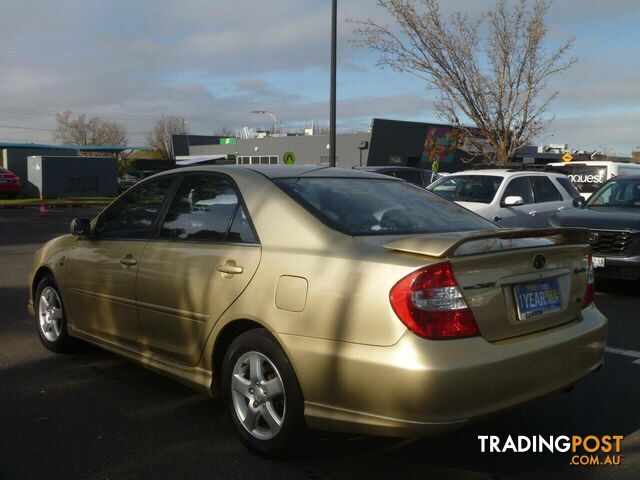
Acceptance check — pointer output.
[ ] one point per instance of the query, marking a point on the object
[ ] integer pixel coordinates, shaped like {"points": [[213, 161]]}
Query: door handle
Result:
{"points": [[533, 213], [128, 260], [561, 209], [497, 218], [230, 268]]}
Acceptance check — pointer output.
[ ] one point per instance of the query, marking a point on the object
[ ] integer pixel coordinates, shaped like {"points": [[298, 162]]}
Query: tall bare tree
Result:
{"points": [[94, 131], [498, 81], [160, 136], [225, 131]]}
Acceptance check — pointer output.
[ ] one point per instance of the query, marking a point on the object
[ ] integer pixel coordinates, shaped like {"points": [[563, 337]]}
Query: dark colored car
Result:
{"points": [[128, 180], [416, 176], [9, 183], [612, 214]]}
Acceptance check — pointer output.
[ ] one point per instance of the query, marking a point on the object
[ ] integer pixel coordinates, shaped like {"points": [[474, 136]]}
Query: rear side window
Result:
{"points": [[359, 206], [410, 176], [519, 187], [201, 210], [568, 186], [133, 215], [241, 231], [544, 190], [469, 188]]}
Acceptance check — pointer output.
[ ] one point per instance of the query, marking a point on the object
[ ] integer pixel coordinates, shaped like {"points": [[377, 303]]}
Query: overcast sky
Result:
{"points": [[214, 61]]}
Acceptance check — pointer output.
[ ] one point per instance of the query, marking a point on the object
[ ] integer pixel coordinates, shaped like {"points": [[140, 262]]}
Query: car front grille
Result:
{"points": [[608, 242]]}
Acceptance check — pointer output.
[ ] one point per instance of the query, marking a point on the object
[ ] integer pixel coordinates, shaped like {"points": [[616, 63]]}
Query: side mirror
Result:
{"points": [[579, 202], [513, 201], [81, 227]]}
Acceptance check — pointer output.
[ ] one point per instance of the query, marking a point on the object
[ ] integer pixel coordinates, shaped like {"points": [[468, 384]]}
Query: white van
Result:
{"points": [[589, 175]]}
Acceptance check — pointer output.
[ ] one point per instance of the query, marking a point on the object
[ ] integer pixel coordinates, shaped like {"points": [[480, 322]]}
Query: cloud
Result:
{"points": [[616, 134], [215, 62]]}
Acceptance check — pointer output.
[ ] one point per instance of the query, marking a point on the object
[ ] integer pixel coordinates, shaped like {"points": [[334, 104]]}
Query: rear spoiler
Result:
{"points": [[446, 244]]}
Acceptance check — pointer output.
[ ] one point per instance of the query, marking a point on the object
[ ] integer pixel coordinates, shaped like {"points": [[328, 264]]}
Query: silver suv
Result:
{"points": [[509, 198]]}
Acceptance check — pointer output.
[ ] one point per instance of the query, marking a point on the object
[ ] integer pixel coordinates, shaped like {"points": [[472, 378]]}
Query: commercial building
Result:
{"points": [[14, 157], [389, 142], [53, 176]]}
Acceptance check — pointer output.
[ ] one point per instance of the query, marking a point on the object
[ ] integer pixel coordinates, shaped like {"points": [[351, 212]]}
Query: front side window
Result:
{"points": [[201, 210], [519, 187], [544, 190], [363, 206], [133, 215], [468, 188]]}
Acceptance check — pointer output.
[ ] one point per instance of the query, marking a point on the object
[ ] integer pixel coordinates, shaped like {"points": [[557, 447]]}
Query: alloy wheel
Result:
{"points": [[258, 395]]}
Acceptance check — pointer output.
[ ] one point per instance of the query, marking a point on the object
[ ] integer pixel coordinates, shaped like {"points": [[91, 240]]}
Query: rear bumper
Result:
{"points": [[419, 387], [627, 268]]}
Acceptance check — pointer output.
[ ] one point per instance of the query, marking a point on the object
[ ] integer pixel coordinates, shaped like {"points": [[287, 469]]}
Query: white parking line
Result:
{"points": [[626, 353]]}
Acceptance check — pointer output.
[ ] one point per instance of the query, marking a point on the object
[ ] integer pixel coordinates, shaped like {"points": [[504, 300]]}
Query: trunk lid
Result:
{"points": [[495, 269]]}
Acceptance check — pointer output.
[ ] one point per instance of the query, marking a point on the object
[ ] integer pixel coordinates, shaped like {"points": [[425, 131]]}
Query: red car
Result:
{"points": [[9, 183]]}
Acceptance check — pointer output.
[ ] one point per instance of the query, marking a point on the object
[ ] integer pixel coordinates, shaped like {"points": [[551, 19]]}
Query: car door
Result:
{"points": [[203, 257], [101, 270], [517, 215], [548, 200]]}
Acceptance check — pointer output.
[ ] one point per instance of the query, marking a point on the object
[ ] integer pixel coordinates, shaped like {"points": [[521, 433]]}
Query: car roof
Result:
{"points": [[286, 171], [375, 168], [501, 172]]}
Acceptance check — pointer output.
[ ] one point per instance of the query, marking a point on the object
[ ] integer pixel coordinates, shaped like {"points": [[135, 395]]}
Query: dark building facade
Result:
{"points": [[73, 176], [417, 144]]}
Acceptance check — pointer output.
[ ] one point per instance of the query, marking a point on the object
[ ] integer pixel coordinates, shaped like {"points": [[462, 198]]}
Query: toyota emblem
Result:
{"points": [[539, 261]]}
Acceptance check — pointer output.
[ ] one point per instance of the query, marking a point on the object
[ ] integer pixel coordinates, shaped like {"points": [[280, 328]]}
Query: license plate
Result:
{"points": [[537, 299], [598, 262]]}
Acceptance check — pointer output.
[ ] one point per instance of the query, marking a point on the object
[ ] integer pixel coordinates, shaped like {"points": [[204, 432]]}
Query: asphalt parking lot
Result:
{"points": [[94, 415]]}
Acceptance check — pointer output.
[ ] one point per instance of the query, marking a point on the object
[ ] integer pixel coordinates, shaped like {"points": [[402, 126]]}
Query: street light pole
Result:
{"points": [[332, 101]]}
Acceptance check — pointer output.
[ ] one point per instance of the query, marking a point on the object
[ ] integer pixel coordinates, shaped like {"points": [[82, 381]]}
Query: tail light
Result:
{"points": [[590, 291], [429, 302]]}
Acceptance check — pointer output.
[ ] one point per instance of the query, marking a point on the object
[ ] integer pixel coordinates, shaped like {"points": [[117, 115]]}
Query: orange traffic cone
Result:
{"points": [[43, 212]]}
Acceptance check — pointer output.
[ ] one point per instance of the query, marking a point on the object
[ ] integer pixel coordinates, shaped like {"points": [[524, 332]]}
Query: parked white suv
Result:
{"points": [[509, 198]]}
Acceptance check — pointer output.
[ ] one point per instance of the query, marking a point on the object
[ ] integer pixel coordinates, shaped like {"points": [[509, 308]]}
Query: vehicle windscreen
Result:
{"points": [[362, 206], [617, 193], [586, 178], [468, 188]]}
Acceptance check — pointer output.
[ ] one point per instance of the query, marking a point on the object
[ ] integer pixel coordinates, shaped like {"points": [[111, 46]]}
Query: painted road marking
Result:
{"points": [[626, 353]]}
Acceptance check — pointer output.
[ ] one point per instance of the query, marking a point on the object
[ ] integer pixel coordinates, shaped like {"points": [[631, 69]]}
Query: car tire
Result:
{"points": [[268, 422], [51, 320]]}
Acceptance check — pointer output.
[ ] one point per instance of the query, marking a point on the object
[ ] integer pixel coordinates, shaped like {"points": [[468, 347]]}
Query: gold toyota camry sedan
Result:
{"points": [[323, 297]]}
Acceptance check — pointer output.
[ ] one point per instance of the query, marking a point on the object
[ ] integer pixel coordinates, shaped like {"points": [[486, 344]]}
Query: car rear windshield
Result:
{"points": [[360, 206], [468, 188]]}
